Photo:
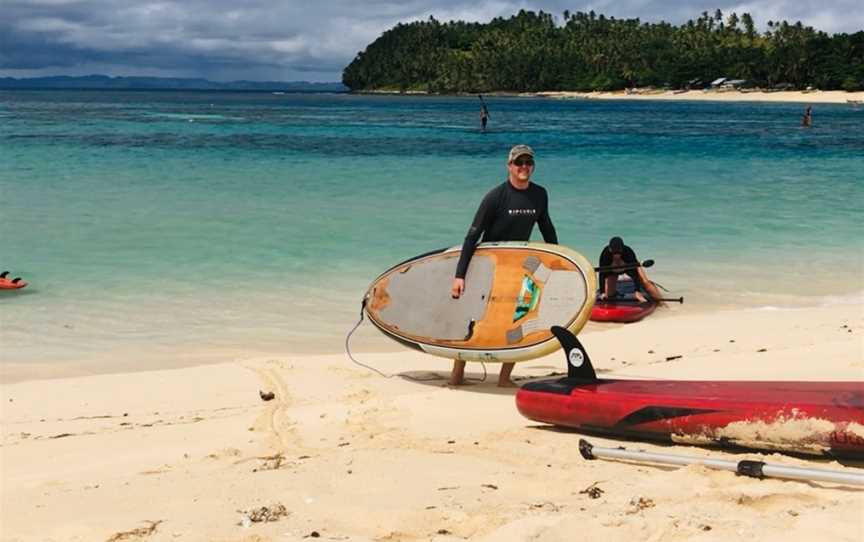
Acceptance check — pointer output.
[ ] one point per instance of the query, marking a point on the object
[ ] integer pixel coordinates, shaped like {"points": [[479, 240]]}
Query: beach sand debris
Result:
{"points": [[266, 395], [271, 462], [593, 491], [136, 534], [672, 358], [545, 505], [637, 504], [274, 512]]}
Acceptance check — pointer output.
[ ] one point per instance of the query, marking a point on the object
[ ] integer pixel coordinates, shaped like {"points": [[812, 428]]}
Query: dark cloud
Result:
{"points": [[294, 39]]}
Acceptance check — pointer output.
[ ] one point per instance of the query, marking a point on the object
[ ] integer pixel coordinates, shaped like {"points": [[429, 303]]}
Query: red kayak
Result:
{"points": [[624, 308], [821, 418], [621, 311], [11, 284]]}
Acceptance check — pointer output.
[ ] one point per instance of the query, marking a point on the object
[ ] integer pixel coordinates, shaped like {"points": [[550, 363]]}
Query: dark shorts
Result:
{"points": [[633, 274]]}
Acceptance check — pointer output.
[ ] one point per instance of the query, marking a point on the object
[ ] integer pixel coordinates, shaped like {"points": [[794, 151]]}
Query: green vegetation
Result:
{"points": [[530, 52]]}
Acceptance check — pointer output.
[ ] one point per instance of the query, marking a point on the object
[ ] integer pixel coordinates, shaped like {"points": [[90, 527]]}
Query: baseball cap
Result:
{"points": [[520, 150]]}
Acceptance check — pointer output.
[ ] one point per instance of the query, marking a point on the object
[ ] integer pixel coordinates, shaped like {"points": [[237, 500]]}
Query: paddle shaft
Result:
{"points": [[622, 268], [755, 469]]}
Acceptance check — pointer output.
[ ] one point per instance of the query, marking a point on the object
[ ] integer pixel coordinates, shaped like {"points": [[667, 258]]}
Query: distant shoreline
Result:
{"points": [[788, 96], [816, 96], [797, 96]]}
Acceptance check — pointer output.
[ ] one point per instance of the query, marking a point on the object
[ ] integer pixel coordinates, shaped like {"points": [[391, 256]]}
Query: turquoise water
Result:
{"points": [[164, 226]]}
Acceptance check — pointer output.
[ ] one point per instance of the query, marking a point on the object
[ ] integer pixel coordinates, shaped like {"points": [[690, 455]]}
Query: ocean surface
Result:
{"points": [[167, 228]]}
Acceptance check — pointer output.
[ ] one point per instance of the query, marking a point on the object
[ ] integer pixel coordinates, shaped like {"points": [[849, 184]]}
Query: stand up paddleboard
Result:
{"points": [[11, 284], [514, 293], [625, 308], [817, 418]]}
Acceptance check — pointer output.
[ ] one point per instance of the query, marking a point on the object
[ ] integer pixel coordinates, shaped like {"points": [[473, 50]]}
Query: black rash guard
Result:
{"points": [[629, 257], [508, 214]]}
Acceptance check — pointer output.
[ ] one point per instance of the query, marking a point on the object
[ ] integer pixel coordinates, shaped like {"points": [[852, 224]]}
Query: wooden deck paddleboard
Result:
{"points": [[514, 292]]}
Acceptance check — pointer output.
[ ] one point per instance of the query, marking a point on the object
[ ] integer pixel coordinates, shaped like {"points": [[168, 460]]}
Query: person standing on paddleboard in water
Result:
{"points": [[507, 213], [616, 253], [484, 115], [807, 119]]}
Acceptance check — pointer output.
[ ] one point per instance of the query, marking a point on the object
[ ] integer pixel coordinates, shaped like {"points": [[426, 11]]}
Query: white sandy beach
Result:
{"points": [[815, 96], [350, 455]]}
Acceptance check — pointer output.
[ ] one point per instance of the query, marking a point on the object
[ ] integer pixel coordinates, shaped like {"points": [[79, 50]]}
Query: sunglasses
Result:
{"points": [[519, 162]]}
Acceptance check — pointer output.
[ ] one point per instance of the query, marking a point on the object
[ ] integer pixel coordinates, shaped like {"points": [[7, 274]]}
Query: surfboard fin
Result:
{"points": [[578, 363]]}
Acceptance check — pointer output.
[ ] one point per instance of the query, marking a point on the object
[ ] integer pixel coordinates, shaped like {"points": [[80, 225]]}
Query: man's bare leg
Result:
{"points": [[504, 376], [650, 287], [457, 375], [611, 286]]}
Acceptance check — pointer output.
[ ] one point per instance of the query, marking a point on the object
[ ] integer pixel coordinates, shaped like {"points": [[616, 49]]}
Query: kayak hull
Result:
{"points": [[624, 308], [816, 418], [12, 284], [626, 313]]}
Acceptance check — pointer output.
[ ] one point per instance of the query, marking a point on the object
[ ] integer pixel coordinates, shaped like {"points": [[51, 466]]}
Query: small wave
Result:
{"points": [[192, 116], [854, 298], [793, 303]]}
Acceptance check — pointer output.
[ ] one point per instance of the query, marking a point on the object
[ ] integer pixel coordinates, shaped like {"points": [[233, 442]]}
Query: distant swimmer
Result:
{"points": [[484, 114], [807, 119]]}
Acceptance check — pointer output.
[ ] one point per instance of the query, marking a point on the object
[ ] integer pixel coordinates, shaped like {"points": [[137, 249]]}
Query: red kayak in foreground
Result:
{"points": [[817, 418], [11, 284]]}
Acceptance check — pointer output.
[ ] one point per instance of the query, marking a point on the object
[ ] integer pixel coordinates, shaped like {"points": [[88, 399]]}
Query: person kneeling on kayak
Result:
{"points": [[619, 254]]}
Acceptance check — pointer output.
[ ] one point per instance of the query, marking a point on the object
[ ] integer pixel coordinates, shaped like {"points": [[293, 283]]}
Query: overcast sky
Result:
{"points": [[291, 40]]}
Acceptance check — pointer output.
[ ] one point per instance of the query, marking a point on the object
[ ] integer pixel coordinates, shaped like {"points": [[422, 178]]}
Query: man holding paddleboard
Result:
{"points": [[508, 212]]}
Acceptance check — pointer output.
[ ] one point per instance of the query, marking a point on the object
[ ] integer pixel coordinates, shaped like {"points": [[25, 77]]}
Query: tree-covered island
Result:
{"points": [[531, 52]]}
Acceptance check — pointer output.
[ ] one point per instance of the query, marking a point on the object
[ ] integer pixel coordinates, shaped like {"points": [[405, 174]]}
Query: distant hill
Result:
{"points": [[162, 83]]}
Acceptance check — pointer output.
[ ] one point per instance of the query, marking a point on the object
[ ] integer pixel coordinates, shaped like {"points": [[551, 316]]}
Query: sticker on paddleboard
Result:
{"points": [[576, 358]]}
